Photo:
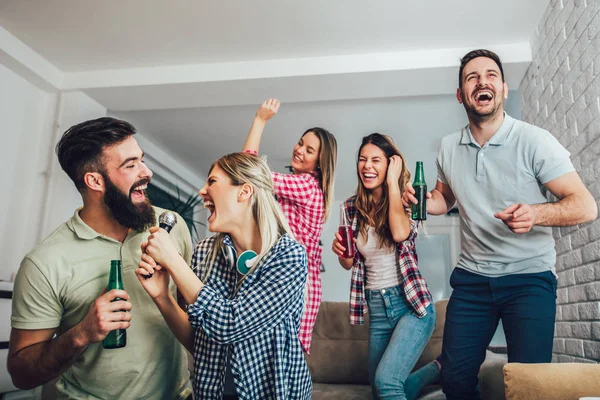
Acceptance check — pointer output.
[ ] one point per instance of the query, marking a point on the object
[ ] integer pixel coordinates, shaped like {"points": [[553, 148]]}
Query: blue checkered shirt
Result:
{"points": [[255, 329]]}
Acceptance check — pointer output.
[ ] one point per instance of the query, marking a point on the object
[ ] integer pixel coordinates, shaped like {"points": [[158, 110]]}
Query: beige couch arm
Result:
{"points": [[557, 381]]}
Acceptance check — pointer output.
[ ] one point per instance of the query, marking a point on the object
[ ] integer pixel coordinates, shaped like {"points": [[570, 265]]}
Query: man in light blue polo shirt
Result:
{"points": [[498, 170]]}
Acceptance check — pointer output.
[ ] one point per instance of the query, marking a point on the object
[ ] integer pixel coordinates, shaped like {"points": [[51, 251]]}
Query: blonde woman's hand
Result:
{"points": [[153, 278], [160, 247], [394, 170], [267, 110]]}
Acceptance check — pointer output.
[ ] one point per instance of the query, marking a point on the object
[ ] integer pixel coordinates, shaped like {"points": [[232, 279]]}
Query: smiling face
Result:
{"points": [[372, 166], [221, 198], [483, 92], [126, 178], [305, 157]]}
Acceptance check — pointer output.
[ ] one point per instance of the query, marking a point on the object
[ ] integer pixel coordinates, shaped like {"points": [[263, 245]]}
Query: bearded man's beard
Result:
{"points": [[139, 217]]}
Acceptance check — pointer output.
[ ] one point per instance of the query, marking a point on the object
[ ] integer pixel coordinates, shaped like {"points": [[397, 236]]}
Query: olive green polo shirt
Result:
{"points": [[60, 279]]}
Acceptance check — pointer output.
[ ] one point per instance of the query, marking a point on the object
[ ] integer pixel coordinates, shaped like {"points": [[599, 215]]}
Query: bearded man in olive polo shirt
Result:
{"points": [[60, 311]]}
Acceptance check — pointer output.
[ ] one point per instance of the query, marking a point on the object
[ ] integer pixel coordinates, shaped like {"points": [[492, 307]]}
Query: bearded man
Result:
{"points": [[498, 170], [61, 312]]}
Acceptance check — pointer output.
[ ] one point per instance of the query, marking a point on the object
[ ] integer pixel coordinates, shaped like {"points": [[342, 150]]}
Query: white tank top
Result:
{"points": [[381, 264]]}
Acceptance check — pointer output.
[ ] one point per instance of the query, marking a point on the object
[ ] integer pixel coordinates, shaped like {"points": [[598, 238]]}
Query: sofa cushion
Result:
{"points": [[338, 353], [560, 381], [324, 391], [491, 378]]}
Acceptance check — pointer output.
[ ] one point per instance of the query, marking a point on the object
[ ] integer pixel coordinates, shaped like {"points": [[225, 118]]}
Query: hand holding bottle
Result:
{"points": [[408, 197], [415, 196], [343, 244], [105, 315], [339, 250], [337, 246]]}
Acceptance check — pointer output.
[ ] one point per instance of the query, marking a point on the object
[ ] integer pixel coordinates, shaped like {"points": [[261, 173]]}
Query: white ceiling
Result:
{"points": [[86, 35], [190, 74]]}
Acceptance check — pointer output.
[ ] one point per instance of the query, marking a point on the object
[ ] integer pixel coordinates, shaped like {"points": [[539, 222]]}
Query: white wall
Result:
{"points": [[26, 118], [198, 136], [62, 198], [39, 196]]}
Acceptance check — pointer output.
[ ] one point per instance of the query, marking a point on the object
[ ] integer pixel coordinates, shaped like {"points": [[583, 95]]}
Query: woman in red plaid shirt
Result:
{"points": [[305, 197], [385, 275]]}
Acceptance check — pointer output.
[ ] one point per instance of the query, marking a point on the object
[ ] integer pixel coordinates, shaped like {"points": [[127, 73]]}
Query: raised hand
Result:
{"points": [[267, 110], [105, 316], [394, 170], [519, 218]]}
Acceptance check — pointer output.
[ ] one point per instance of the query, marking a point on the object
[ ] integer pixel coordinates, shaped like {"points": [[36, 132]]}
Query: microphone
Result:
{"points": [[167, 220]]}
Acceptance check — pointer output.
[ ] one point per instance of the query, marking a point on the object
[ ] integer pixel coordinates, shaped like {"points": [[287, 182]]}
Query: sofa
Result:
{"points": [[338, 360]]}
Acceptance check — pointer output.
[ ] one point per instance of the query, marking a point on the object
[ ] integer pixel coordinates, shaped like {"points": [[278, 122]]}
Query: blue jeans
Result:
{"points": [[397, 338], [525, 302]]}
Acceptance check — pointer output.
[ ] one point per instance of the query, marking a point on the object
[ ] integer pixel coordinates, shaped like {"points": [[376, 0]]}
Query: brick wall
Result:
{"points": [[560, 93]]}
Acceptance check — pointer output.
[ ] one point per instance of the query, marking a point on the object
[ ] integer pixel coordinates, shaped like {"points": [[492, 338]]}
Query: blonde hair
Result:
{"points": [[247, 168], [326, 166], [365, 205]]}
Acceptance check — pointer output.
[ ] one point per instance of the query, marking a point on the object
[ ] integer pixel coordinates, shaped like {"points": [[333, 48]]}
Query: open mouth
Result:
{"points": [[138, 193], [369, 176], [297, 158], [210, 206], [484, 96]]}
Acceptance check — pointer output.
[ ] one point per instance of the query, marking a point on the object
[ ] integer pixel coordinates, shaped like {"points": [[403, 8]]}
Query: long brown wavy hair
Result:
{"points": [[365, 204], [326, 165]]}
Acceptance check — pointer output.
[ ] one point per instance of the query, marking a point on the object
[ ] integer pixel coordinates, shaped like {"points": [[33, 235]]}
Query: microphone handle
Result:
{"points": [[167, 228]]}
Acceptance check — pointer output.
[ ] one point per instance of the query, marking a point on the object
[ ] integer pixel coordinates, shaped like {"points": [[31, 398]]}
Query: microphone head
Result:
{"points": [[167, 220]]}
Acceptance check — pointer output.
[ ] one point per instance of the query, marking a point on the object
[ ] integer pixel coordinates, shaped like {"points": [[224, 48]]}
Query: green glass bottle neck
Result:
{"points": [[115, 278], [419, 175]]}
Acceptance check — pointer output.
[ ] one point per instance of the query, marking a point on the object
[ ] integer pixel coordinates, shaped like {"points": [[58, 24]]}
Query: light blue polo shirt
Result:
{"points": [[510, 168]]}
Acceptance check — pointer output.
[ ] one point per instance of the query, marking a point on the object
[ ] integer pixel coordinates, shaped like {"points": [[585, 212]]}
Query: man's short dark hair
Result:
{"points": [[80, 149], [478, 53]]}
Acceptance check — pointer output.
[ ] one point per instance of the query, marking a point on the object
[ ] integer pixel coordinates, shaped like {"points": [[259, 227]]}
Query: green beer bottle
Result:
{"points": [[117, 338], [419, 210]]}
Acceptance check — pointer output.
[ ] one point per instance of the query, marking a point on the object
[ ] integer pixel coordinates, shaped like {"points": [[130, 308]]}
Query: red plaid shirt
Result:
{"points": [[415, 287], [301, 200]]}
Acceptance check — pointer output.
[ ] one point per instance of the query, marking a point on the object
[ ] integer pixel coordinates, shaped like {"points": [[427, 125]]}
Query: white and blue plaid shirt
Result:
{"points": [[255, 329]]}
